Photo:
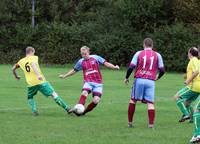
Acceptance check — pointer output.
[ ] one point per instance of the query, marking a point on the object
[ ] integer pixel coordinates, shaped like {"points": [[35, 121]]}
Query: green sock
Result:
{"points": [[196, 116], [61, 103], [190, 109], [181, 105], [32, 104]]}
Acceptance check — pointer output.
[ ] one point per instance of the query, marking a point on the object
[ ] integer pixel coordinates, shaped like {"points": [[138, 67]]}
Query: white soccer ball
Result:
{"points": [[79, 108]]}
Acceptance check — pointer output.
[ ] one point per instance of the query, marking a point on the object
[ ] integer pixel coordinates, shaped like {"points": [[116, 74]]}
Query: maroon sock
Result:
{"points": [[151, 114], [131, 111], [90, 107], [82, 100]]}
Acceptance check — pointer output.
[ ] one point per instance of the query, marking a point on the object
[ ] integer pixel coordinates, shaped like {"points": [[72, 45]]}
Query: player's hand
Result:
{"points": [[186, 82], [126, 81], [17, 77], [117, 67], [40, 78], [62, 76]]}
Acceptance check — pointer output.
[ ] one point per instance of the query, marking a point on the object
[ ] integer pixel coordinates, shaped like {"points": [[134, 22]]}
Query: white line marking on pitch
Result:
{"points": [[25, 108]]}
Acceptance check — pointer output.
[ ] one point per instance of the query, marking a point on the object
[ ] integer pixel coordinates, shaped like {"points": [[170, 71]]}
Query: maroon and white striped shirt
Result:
{"points": [[91, 68]]}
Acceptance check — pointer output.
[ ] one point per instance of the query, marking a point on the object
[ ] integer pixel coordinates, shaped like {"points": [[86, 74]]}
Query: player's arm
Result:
{"points": [[77, 67], [161, 68], [128, 73], [161, 72], [14, 68], [102, 61], [190, 79], [33, 64], [110, 65], [195, 72], [131, 67], [70, 73]]}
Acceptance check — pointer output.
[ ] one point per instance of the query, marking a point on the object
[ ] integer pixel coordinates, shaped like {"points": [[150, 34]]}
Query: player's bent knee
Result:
{"points": [[187, 103], [85, 93], [96, 99], [176, 97]]}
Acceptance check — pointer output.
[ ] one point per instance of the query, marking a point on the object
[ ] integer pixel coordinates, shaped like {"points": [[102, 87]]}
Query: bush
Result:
{"points": [[173, 43], [114, 29]]}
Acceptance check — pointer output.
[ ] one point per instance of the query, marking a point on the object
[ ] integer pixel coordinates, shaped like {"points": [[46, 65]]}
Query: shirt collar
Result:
{"points": [[88, 58], [148, 48]]}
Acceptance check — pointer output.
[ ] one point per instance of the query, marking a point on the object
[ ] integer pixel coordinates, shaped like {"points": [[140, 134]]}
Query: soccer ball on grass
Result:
{"points": [[79, 108]]}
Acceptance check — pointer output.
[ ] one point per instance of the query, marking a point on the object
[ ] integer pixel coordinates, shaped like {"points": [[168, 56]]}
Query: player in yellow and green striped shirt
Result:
{"points": [[36, 80], [191, 92], [192, 89]]}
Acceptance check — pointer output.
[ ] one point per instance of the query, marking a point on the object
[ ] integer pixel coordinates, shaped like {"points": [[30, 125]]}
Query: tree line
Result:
{"points": [[114, 29]]}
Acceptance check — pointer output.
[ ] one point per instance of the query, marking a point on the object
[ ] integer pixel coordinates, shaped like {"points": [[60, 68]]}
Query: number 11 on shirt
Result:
{"points": [[145, 61]]}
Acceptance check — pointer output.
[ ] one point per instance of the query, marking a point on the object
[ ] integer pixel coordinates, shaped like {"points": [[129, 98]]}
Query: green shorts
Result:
{"points": [[45, 88], [188, 95]]}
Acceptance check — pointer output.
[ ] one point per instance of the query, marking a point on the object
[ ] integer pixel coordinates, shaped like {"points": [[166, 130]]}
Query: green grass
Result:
{"points": [[107, 124]]}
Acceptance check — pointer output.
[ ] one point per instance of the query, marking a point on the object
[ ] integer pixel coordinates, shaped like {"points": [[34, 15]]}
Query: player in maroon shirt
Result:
{"points": [[89, 64], [147, 63]]}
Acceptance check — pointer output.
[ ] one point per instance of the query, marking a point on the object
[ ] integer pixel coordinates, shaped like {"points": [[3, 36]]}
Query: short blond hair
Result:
{"points": [[30, 49], [85, 48]]}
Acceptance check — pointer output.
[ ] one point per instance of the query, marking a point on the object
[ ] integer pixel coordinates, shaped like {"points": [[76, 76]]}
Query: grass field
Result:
{"points": [[107, 124]]}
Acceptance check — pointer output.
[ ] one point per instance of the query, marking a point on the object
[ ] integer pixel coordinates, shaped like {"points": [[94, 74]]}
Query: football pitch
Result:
{"points": [[107, 124]]}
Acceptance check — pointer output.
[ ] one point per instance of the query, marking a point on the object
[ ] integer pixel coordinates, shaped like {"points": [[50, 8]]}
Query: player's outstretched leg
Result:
{"points": [[47, 90], [93, 104], [32, 104], [131, 111], [60, 102], [151, 114]]}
